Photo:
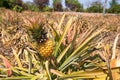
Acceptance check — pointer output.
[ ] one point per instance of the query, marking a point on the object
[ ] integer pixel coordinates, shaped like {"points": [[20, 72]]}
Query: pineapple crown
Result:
{"points": [[39, 33]]}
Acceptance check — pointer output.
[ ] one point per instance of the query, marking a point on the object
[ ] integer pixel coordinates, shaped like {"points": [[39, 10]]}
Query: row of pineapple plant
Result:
{"points": [[57, 54]]}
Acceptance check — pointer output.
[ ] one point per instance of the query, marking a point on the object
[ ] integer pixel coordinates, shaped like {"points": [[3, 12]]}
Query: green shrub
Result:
{"points": [[18, 8], [94, 9], [47, 8], [74, 5], [33, 8], [7, 3]]}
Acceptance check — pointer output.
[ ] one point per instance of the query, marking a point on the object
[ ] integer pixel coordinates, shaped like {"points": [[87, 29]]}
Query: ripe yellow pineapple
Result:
{"points": [[45, 44], [46, 48]]}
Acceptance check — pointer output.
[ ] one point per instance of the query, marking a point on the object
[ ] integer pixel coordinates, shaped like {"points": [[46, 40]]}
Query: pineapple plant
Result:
{"points": [[72, 54], [44, 43]]}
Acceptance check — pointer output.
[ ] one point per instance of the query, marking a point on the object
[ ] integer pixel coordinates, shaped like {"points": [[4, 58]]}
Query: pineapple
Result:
{"points": [[45, 44], [46, 48]]}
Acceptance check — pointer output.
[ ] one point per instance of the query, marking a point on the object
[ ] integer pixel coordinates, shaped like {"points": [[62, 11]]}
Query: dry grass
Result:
{"points": [[13, 22], [14, 35]]}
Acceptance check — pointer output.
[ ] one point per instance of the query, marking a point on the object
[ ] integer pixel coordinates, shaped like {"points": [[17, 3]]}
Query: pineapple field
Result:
{"points": [[59, 46]]}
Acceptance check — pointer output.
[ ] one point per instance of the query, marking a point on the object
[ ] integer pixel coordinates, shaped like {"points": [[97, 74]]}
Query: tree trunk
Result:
{"points": [[104, 8]]}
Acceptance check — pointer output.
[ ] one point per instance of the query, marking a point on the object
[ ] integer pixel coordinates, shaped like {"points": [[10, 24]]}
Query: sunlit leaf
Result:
{"points": [[62, 37]]}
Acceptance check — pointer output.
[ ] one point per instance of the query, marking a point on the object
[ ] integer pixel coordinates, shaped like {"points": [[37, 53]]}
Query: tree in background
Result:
{"points": [[16, 5], [31, 6], [95, 7], [19, 6], [114, 7], [1, 3], [74, 5], [9, 4], [60, 5], [57, 5], [41, 3], [113, 3], [19, 2]]}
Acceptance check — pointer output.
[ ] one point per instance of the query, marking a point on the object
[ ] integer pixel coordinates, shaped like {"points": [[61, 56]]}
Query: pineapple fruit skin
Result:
{"points": [[46, 48]]}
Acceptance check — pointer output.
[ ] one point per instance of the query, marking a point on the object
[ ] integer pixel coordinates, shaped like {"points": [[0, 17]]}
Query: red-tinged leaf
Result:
{"points": [[69, 35], [64, 42], [7, 65], [113, 63]]}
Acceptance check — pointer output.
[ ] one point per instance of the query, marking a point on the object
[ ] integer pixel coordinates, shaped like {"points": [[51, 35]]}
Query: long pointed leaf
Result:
{"points": [[63, 53], [47, 69], [17, 58], [62, 37], [82, 46], [61, 21]]}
